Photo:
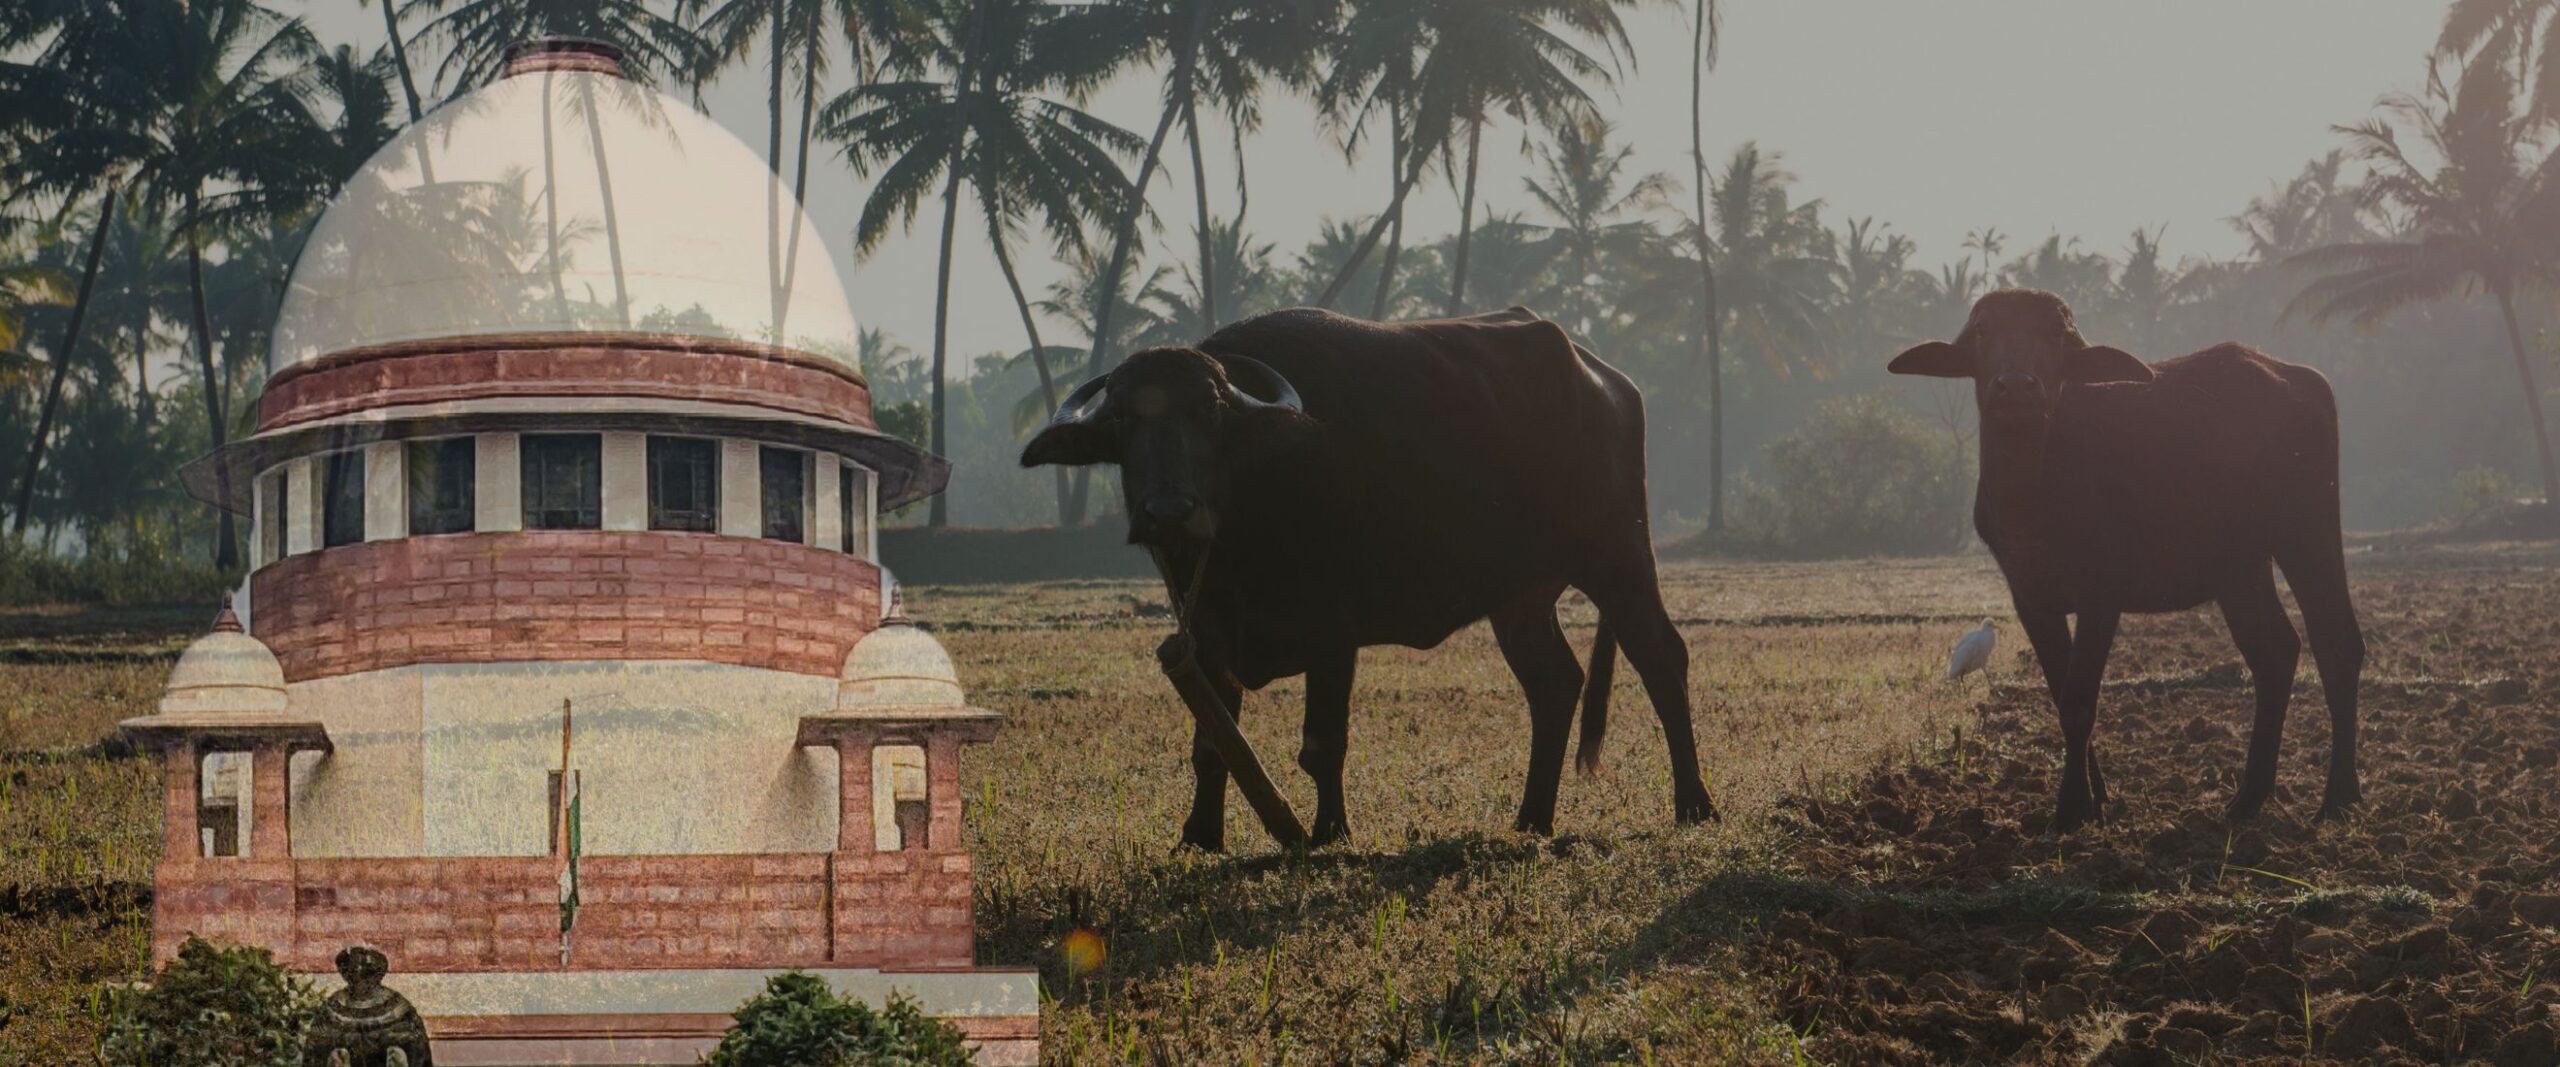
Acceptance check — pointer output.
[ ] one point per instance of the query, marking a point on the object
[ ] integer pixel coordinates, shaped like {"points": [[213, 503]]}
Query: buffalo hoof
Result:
{"points": [[1527, 824], [1202, 838], [2074, 813], [1328, 831], [2339, 797], [2245, 806], [1692, 810]]}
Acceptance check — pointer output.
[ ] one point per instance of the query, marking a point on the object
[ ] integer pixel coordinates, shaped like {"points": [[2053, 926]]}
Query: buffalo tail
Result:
{"points": [[1595, 699]]}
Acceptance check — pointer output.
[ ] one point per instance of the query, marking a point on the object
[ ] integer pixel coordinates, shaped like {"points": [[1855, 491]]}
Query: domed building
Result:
{"points": [[560, 675]]}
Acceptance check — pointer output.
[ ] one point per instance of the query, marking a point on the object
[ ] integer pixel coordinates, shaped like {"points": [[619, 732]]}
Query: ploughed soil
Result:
{"points": [[1930, 918]]}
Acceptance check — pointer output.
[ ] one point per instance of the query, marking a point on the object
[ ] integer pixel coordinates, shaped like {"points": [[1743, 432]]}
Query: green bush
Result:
{"points": [[798, 1022], [2483, 492], [1859, 477], [214, 1007]]}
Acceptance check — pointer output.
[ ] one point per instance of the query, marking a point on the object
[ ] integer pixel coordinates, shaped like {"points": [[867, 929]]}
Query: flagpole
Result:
{"points": [[562, 836]]}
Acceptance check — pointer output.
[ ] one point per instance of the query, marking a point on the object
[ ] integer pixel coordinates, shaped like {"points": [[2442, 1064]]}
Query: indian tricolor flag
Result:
{"points": [[569, 846]]}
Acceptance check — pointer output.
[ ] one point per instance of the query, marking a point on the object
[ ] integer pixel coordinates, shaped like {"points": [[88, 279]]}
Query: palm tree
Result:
{"points": [[1224, 50], [1240, 278], [478, 33], [2479, 219], [1509, 60], [171, 98], [1775, 279], [2515, 33], [797, 35], [1478, 59], [399, 46], [24, 284], [1987, 243], [1585, 188], [1706, 33], [960, 103], [1875, 284], [2316, 207], [2083, 279]]}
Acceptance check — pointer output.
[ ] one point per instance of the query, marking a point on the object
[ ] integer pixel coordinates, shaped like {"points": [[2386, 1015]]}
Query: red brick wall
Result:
{"points": [[650, 365], [564, 595], [901, 911]]}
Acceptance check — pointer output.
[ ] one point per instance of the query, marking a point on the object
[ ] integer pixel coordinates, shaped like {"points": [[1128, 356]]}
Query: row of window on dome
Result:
{"points": [[496, 482]]}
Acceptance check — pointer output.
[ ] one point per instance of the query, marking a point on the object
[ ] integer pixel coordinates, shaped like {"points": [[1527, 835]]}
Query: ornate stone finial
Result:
{"points": [[897, 615], [365, 1024], [228, 622]]}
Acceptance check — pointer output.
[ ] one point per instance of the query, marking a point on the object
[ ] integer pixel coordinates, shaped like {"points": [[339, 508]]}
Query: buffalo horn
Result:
{"points": [[1288, 394], [1072, 409]]}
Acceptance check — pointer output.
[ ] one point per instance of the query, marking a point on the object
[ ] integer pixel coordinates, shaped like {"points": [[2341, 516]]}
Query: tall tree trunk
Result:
{"points": [[1178, 84], [408, 84], [62, 362], [400, 58], [2532, 398], [143, 402], [941, 515], [773, 189], [1108, 301], [1395, 230], [1178, 90], [1039, 352], [1466, 218], [1208, 237], [1711, 331], [226, 553], [1377, 229], [799, 189], [612, 216]]}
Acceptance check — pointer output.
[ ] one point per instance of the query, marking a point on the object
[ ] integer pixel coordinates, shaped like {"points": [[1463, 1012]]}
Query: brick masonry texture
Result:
{"points": [[898, 911], [649, 365], [535, 595]]}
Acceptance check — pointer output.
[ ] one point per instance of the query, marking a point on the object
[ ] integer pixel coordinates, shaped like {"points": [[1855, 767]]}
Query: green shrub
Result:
{"points": [[1859, 477], [214, 1007], [2482, 492], [798, 1022]]}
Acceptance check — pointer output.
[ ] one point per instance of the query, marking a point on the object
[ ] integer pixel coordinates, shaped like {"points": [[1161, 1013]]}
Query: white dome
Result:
{"points": [[562, 201], [225, 672], [898, 666]]}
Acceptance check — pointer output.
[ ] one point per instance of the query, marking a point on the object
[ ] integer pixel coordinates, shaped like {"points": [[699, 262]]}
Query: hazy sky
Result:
{"points": [[2087, 117]]}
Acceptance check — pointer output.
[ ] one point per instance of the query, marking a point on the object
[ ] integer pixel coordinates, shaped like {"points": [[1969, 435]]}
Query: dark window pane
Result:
{"points": [[342, 501], [563, 481], [786, 488], [853, 498], [271, 536], [684, 484], [442, 493]]}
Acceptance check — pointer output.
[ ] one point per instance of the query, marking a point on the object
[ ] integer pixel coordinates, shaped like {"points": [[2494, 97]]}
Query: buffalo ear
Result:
{"points": [[1070, 444], [2107, 363], [1933, 359]]}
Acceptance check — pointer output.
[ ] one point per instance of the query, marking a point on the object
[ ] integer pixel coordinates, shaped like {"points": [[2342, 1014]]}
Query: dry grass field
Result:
{"points": [[1879, 892]]}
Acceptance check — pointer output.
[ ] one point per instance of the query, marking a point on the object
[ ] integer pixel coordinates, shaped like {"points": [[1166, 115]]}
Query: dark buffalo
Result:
{"points": [[1391, 484], [2111, 486]]}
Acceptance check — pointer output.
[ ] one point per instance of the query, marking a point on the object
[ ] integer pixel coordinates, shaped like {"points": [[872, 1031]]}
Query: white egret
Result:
{"points": [[1973, 653]]}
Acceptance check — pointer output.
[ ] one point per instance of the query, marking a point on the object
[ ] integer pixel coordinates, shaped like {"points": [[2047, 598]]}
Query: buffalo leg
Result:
{"points": [[1326, 737], [1544, 662], [2268, 645], [1632, 602], [2090, 643], [2319, 580], [1206, 829], [2049, 634]]}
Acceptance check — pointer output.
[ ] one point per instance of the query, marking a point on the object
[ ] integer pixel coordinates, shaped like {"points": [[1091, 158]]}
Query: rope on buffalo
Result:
{"points": [[1180, 658]]}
